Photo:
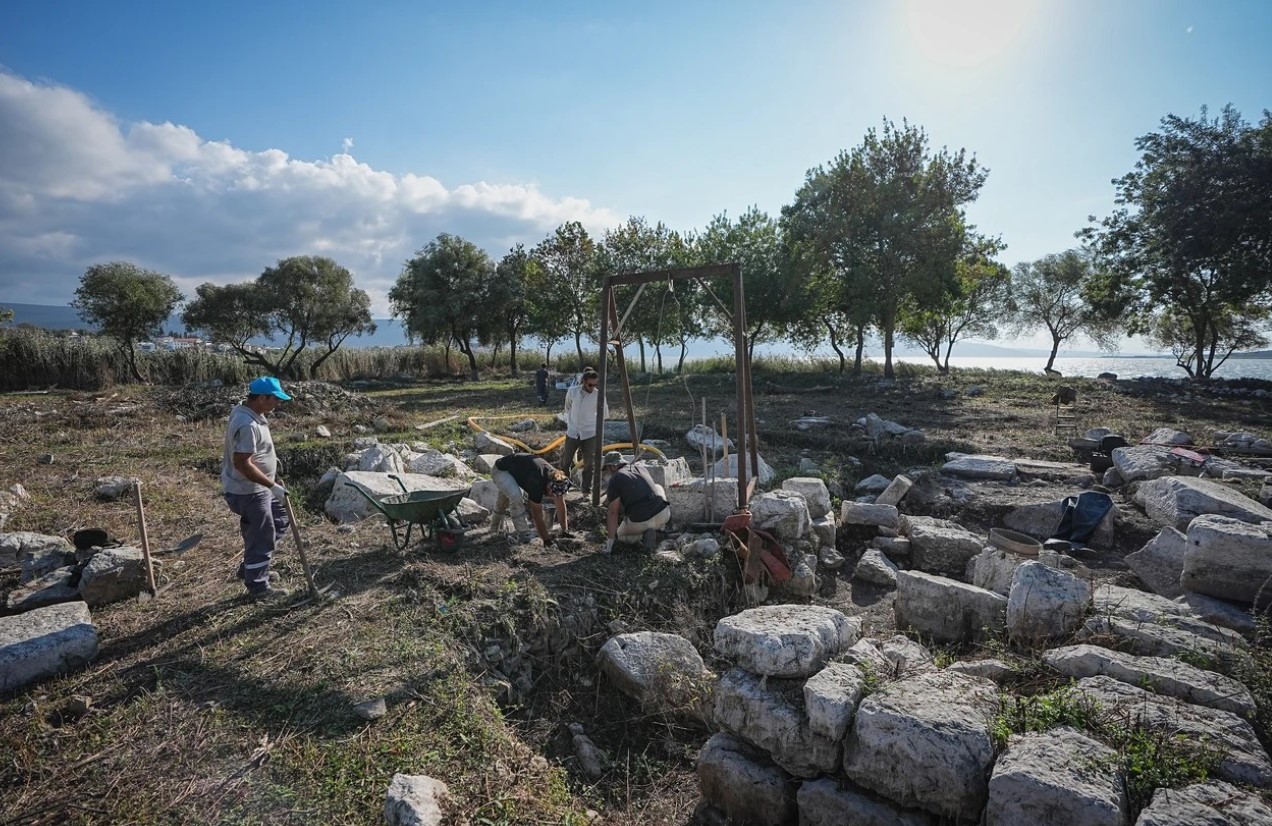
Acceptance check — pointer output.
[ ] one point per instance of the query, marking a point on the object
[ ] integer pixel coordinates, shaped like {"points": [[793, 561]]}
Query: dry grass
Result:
{"points": [[207, 709]]}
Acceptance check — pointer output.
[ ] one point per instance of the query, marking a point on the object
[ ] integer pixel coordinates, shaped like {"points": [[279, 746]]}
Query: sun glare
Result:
{"points": [[966, 33]]}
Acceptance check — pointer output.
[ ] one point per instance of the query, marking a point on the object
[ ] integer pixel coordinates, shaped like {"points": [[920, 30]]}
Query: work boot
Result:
{"points": [[269, 595], [650, 539]]}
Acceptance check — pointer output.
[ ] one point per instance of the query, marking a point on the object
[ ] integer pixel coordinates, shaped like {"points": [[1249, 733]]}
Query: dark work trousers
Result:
{"points": [[584, 446], [263, 522]]}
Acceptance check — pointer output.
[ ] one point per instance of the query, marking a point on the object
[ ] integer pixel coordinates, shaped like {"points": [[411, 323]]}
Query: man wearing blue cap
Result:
{"points": [[248, 470]]}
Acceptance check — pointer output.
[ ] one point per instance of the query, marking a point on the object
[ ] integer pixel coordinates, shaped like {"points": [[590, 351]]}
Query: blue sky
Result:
{"points": [[209, 140]]}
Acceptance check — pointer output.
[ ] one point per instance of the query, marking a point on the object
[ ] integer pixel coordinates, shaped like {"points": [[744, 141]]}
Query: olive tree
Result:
{"points": [[126, 303], [307, 303]]}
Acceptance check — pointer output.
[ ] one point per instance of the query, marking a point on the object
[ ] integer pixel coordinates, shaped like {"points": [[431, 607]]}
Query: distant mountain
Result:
{"points": [[1255, 354]]}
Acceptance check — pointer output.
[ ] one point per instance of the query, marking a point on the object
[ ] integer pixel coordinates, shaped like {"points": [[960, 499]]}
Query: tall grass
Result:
{"points": [[35, 359]]}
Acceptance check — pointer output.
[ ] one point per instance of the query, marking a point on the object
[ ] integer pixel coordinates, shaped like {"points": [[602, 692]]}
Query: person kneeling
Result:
{"points": [[523, 480], [637, 498]]}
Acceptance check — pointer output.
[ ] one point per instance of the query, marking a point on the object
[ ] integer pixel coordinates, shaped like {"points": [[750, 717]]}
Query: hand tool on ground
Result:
{"points": [[145, 539], [314, 591]]}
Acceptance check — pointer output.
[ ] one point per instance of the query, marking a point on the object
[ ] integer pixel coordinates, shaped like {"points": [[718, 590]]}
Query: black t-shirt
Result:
{"points": [[541, 377], [531, 473], [633, 486]]}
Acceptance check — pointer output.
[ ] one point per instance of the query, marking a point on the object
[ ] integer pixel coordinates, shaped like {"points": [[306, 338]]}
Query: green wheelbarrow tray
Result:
{"points": [[436, 512]]}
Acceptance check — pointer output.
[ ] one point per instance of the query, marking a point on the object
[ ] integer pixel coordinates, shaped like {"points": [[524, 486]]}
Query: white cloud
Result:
{"points": [[77, 187], [1188, 30]]}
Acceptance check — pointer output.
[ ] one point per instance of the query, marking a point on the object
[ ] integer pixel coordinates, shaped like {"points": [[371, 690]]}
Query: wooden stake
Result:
{"points": [[145, 539]]}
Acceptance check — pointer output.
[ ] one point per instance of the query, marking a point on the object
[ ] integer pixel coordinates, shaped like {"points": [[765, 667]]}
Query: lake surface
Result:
{"points": [[1125, 368]]}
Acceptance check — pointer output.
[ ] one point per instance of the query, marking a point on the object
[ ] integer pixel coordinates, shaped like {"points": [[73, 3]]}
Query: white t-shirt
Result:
{"points": [[580, 412], [247, 432]]}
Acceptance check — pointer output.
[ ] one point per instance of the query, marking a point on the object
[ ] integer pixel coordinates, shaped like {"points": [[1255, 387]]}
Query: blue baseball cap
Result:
{"points": [[267, 386]]}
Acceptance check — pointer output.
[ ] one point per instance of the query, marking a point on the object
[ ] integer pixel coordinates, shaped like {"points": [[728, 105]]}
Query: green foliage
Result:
{"points": [[6, 315], [307, 302], [509, 297], [443, 295], [1187, 254], [665, 314], [971, 306], [126, 303], [774, 292], [564, 290], [886, 220], [1055, 292], [1146, 757]]}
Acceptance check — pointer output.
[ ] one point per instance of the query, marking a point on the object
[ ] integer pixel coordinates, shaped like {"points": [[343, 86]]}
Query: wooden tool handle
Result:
{"points": [[145, 538]]}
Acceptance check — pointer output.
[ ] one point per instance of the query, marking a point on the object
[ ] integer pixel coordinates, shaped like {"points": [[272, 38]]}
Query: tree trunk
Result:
{"points": [[466, 348], [512, 349], [834, 345], [1055, 348], [578, 346], [547, 356], [130, 355], [888, 372], [640, 342], [861, 349], [945, 369], [494, 355], [684, 351], [446, 366], [658, 356]]}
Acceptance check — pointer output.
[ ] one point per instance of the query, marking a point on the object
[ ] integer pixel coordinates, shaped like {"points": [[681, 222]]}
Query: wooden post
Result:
{"points": [[607, 295], [621, 361], [145, 539], [739, 349]]}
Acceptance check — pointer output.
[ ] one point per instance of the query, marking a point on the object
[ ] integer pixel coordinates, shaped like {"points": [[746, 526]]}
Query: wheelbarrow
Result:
{"points": [[435, 512]]}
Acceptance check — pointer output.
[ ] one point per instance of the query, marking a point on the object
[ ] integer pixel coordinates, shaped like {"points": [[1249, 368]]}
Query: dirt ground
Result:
{"points": [[205, 708]]}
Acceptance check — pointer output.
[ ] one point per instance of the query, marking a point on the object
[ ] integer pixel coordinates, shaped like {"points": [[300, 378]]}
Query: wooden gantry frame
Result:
{"points": [[612, 334]]}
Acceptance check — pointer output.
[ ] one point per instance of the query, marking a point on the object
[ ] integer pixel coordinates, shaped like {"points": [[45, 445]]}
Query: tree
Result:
{"points": [[568, 259], [971, 306], [775, 292], [307, 302], [664, 314], [1188, 250], [6, 315], [509, 297], [444, 294], [888, 216], [126, 303], [1051, 292]]}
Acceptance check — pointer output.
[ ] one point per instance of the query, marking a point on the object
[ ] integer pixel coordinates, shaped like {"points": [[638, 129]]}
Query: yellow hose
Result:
{"points": [[555, 443]]}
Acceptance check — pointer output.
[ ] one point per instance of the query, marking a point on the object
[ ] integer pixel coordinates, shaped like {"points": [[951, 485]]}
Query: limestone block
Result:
{"points": [[875, 483], [1213, 803], [43, 642], [1161, 675], [967, 466], [688, 500], [993, 569], [783, 513], [487, 443], [831, 697], [1176, 501], [415, 800], [877, 569], [825, 802], [769, 714], [1139, 462], [940, 547], [946, 609], [114, 574], [50, 589], [17, 545], [895, 491], [1060, 778], [1045, 604], [857, 513], [1243, 759], [660, 671], [826, 529], [785, 640], [814, 492], [1227, 558], [1160, 563], [740, 780], [924, 742]]}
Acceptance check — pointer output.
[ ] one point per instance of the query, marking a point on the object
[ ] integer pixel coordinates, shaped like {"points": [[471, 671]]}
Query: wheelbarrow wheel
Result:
{"points": [[401, 533], [448, 542]]}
